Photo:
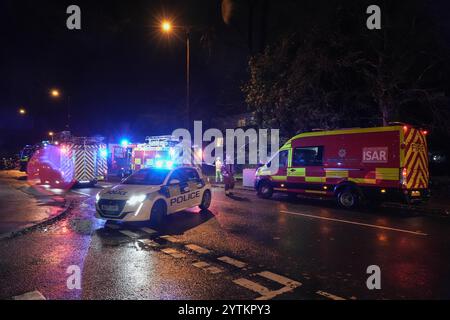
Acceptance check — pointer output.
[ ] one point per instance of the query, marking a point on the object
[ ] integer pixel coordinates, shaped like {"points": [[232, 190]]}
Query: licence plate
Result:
{"points": [[110, 208], [415, 193]]}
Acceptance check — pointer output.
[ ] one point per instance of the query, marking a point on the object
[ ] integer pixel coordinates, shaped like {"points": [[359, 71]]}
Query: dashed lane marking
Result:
{"points": [[233, 262], [130, 234], [207, 267], [197, 248], [266, 294], [280, 279], [170, 239], [33, 295], [149, 242], [253, 286], [329, 295], [149, 231], [174, 253], [356, 223]]}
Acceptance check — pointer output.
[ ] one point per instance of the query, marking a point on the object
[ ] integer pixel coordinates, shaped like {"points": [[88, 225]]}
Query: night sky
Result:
{"points": [[123, 77], [119, 71]]}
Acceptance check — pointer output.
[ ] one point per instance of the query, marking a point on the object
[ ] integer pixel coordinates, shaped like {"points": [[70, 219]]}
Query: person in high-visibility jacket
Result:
{"points": [[218, 164]]}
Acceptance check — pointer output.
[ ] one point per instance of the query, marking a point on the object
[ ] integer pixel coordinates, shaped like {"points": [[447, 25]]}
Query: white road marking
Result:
{"points": [[129, 234], [207, 267], [201, 264], [280, 279], [356, 223], [149, 242], [170, 239], [149, 231], [33, 295], [174, 253], [288, 285], [253, 286], [329, 295], [197, 248], [233, 262]]}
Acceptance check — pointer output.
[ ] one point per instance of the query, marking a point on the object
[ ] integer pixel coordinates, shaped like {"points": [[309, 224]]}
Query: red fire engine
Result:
{"points": [[351, 165], [158, 151], [72, 160], [120, 157]]}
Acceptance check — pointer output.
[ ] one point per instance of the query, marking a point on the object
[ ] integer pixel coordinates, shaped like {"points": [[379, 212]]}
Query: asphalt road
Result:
{"points": [[244, 248]]}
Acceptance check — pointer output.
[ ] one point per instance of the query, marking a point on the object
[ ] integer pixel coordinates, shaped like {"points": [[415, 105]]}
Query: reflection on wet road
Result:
{"points": [[243, 248]]}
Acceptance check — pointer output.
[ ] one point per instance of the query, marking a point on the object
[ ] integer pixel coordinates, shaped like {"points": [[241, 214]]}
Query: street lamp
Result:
{"points": [[167, 27], [55, 93], [51, 134], [22, 111]]}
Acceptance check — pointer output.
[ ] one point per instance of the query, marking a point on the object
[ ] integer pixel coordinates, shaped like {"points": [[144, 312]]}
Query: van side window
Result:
{"points": [[283, 159], [307, 156]]}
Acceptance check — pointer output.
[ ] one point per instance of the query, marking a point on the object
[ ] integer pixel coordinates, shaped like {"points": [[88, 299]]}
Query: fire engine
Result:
{"points": [[69, 161], [351, 165], [157, 151], [121, 155]]}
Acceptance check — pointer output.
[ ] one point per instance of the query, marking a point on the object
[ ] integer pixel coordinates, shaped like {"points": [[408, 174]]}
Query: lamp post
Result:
{"points": [[56, 94], [167, 28]]}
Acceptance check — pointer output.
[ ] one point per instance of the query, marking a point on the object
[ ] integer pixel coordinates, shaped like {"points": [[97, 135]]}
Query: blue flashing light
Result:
{"points": [[103, 153], [124, 143]]}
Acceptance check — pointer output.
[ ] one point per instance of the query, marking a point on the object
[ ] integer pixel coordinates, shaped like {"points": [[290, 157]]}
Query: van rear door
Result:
{"points": [[415, 174]]}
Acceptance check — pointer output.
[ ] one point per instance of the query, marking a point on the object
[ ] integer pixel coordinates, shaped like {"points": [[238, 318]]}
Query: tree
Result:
{"points": [[343, 75]]}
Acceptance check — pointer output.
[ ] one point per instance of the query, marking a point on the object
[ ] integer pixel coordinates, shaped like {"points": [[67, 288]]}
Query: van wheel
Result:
{"points": [[158, 213], [348, 198], [206, 200], [265, 190]]}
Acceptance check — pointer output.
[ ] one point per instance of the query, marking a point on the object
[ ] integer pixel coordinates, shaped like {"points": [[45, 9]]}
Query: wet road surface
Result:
{"points": [[243, 248]]}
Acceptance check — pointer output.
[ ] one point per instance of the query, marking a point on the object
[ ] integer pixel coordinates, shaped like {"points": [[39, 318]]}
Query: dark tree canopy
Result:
{"points": [[340, 74]]}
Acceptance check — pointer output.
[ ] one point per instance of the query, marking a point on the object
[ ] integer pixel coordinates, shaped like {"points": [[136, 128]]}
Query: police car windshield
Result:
{"points": [[147, 177]]}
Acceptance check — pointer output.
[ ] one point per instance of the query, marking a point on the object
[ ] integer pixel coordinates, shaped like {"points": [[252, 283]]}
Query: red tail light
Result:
{"points": [[403, 176]]}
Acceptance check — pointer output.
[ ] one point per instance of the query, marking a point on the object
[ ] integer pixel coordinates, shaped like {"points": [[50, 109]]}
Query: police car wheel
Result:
{"points": [[206, 200], [347, 199], [158, 213], [265, 190]]}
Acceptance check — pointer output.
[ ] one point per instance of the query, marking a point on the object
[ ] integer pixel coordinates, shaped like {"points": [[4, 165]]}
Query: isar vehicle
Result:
{"points": [[351, 165], [152, 193]]}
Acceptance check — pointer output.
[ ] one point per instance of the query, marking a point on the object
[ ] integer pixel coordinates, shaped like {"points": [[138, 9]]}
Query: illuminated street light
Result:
{"points": [[55, 93], [166, 26], [51, 134], [22, 111]]}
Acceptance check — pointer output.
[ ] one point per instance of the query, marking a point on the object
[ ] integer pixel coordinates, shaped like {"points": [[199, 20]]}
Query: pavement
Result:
{"points": [[242, 248], [24, 205]]}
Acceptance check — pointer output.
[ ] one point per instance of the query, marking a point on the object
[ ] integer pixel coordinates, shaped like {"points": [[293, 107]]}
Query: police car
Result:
{"points": [[152, 193]]}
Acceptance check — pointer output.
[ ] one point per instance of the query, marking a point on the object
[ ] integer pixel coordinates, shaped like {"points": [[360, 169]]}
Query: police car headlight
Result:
{"points": [[134, 200]]}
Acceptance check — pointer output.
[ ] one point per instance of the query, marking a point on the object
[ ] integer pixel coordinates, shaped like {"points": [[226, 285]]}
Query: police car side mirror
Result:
{"points": [[174, 181]]}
